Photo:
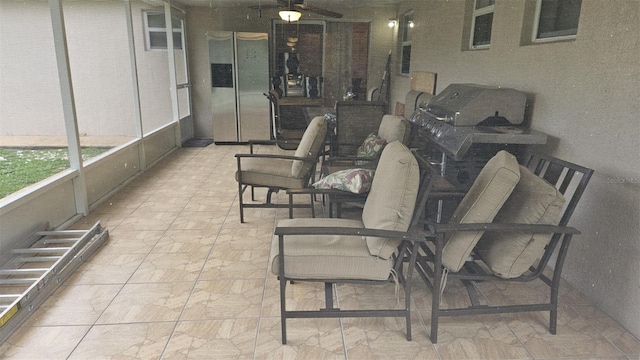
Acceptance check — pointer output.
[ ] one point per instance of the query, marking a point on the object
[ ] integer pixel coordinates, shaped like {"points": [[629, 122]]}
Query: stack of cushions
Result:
{"points": [[533, 201], [389, 206], [489, 192]]}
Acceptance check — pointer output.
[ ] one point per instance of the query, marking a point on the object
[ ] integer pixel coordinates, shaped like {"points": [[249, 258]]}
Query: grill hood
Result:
{"points": [[470, 104]]}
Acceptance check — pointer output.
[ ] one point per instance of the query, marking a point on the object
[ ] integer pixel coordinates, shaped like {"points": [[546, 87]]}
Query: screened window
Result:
{"points": [[482, 23], [155, 31], [556, 19]]}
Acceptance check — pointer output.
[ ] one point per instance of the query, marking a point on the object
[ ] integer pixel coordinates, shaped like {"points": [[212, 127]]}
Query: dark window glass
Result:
{"points": [[558, 18], [406, 59], [482, 30]]}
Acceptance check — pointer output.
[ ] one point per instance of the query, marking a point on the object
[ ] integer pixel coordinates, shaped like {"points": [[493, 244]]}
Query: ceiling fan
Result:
{"points": [[296, 5]]}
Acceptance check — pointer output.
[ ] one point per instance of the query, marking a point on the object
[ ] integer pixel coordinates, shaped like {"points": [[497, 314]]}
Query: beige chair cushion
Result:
{"points": [[270, 173], [392, 198], [327, 257], [533, 201], [310, 145], [392, 128], [482, 202]]}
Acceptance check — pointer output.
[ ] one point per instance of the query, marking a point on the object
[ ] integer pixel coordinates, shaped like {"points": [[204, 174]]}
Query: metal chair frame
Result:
{"points": [[429, 262], [408, 250]]}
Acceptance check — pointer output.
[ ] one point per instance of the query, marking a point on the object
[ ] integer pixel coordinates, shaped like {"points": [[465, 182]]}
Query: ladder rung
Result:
{"points": [[40, 258], [60, 240], [18, 281], [40, 250], [9, 296], [22, 271], [61, 232]]}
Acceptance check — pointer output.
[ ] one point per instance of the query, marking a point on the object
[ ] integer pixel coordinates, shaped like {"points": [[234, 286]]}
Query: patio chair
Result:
{"points": [[366, 251], [392, 128], [286, 137], [277, 172], [506, 228]]}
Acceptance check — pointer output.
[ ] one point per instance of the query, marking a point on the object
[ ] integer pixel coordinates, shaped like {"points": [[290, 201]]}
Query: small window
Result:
{"points": [[407, 32], [155, 31], [556, 19], [482, 23]]}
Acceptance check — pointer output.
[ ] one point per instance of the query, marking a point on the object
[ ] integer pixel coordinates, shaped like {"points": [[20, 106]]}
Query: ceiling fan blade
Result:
{"points": [[264, 7], [319, 11]]}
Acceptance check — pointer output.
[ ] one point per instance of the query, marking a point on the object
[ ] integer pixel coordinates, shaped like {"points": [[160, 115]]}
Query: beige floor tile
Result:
{"points": [[455, 295], [575, 336], [477, 337], [299, 296], [147, 302], [106, 268], [234, 231], [224, 299], [164, 203], [131, 242], [375, 296], [385, 338], [173, 241], [74, 305], [228, 263], [42, 342], [108, 221], [126, 341], [121, 204], [199, 220], [306, 339], [168, 267], [210, 203], [144, 220], [611, 330], [213, 339]]}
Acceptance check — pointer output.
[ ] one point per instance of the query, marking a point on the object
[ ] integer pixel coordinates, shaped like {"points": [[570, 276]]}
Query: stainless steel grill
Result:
{"points": [[466, 124]]}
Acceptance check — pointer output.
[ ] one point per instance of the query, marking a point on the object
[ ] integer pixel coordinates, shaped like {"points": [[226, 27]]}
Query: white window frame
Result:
{"points": [[560, 34], [149, 29], [490, 9], [405, 36]]}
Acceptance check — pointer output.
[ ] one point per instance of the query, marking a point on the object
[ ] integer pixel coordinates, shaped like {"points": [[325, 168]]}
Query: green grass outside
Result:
{"points": [[20, 168]]}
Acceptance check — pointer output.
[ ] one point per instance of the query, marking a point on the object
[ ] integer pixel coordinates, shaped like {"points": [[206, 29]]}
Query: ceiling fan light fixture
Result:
{"points": [[290, 15]]}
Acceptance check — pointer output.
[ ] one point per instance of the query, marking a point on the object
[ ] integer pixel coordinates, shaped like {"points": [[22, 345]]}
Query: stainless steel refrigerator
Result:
{"points": [[239, 78]]}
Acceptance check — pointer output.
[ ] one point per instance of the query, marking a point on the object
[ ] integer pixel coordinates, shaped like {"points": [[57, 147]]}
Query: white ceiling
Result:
{"points": [[315, 3]]}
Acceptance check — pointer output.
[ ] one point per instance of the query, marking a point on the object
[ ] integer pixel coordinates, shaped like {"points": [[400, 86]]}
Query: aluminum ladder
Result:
{"points": [[33, 273]]}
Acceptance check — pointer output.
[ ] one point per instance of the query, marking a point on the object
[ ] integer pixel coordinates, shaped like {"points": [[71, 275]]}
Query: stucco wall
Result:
{"points": [[585, 96]]}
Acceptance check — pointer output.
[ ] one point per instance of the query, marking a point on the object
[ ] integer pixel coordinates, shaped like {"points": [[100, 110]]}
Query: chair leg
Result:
{"points": [[240, 191], [283, 313], [283, 288], [435, 292], [328, 296], [269, 193], [313, 209]]}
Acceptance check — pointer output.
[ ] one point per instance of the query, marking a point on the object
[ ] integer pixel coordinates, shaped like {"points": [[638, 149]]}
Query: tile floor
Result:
{"points": [[181, 278]]}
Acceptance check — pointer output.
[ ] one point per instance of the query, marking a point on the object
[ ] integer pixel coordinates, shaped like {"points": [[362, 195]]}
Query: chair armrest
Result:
{"points": [[532, 228], [350, 159], [347, 231], [270, 142], [314, 191], [277, 156]]}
